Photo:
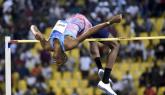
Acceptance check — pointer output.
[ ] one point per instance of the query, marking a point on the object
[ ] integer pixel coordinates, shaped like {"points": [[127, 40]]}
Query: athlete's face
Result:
{"points": [[59, 55], [60, 59]]}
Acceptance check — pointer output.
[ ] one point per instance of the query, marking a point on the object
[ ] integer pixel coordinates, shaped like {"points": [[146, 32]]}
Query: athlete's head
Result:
{"points": [[59, 55], [60, 59]]}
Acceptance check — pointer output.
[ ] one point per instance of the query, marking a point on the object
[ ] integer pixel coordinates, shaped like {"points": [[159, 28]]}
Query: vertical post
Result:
{"points": [[7, 66]]}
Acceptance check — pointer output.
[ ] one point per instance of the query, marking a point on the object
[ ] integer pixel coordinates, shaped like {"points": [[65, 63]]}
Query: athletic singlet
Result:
{"points": [[77, 25], [72, 26]]}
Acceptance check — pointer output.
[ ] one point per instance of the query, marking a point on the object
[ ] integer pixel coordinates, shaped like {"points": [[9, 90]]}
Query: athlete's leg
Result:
{"points": [[94, 49], [111, 58], [38, 35], [105, 82]]}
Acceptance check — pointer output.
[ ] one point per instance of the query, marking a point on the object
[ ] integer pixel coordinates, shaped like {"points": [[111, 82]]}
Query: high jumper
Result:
{"points": [[69, 33]]}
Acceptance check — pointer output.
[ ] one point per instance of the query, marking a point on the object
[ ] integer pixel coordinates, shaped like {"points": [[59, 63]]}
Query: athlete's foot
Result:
{"points": [[115, 19], [101, 73], [106, 87], [36, 33]]}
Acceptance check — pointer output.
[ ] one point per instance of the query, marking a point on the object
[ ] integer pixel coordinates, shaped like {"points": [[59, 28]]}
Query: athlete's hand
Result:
{"points": [[115, 19]]}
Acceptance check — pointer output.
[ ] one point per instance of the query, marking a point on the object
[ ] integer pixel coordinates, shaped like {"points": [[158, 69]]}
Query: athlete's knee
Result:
{"points": [[93, 48], [117, 45], [92, 51], [114, 45]]}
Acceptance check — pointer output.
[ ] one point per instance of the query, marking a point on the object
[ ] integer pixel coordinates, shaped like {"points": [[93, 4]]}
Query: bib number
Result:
{"points": [[60, 26]]}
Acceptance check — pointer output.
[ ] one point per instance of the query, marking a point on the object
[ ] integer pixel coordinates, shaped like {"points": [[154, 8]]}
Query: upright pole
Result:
{"points": [[7, 66]]}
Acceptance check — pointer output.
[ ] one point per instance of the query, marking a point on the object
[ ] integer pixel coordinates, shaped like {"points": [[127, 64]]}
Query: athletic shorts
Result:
{"points": [[103, 33]]}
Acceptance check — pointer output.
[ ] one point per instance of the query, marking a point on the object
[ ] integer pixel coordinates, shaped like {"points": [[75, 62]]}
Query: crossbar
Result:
{"points": [[99, 39]]}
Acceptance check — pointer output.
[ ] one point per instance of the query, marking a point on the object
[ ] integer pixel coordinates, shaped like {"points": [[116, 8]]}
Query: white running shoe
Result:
{"points": [[36, 32], [106, 87], [101, 73]]}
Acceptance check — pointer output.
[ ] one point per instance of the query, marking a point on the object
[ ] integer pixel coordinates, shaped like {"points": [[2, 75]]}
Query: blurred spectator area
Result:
{"points": [[140, 66]]}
